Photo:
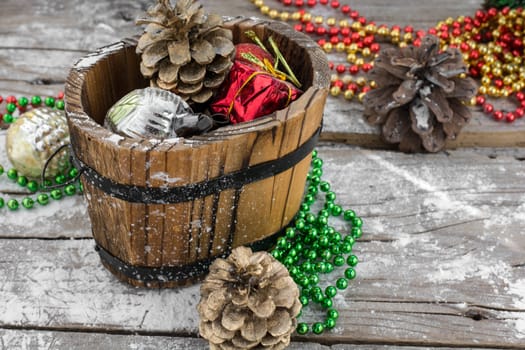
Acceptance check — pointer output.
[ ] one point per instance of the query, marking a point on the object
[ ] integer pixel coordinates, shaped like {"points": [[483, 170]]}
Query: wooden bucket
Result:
{"points": [[162, 211]]}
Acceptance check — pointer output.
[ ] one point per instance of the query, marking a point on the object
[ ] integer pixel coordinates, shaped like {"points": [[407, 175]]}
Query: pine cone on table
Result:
{"points": [[185, 50], [248, 301], [419, 102]]}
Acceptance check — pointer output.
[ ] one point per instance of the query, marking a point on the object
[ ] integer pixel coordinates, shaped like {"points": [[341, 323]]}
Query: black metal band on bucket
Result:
{"points": [[170, 195], [165, 274]]}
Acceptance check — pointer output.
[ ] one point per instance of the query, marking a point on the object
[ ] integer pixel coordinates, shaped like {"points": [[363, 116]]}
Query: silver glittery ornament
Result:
{"points": [[34, 137], [154, 113]]}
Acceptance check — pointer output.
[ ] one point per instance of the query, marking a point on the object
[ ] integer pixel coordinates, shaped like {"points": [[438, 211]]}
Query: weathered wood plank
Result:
{"points": [[36, 340]]}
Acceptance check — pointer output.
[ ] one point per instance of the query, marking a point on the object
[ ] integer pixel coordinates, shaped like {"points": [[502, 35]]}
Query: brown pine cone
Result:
{"points": [[185, 50], [421, 95], [248, 300]]}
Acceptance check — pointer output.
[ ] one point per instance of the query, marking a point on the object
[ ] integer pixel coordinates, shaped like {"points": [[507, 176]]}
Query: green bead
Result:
{"points": [[314, 153], [300, 224], [336, 249], [292, 252], [349, 214], [10, 107], [324, 186], [8, 118], [307, 266], [288, 261], [316, 290], [314, 280], [56, 194], [302, 328], [317, 297], [330, 291], [337, 210], [303, 281], [336, 237], [70, 190], [312, 190], [12, 174], [356, 232], [323, 241], [330, 196], [320, 267], [318, 328], [28, 203], [329, 205], [313, 233], [329, 323], [42, 199], [298, 246], [60, 179], [73, 172], [327, 303], [1, 170], [2, 203], [310, 218], [346, 248], [36, 100], [350, 273], [281, 242], [49, 101], [309, 199], [60, 104], [315, 180], [329, 267], [311, 255], [357, 222], [352, 260], [326, 254], [349, 239], [304, 207], [276, 254], [304, 300], [332, 313], [339, 260], [341, 283], [22, 181], [324, 212], [317, 163], [322, 220], [300, 215], [23, 101], [317, 172], [32, 186], [12, 204]]}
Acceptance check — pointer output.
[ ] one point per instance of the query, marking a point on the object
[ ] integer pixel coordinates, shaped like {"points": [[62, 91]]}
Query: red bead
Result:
{"points": [[488, 108], [520, 112], [366, 88], [345, 31], [360, 44], [468, 19], [520, 95], [335, 4], [366, 67], [444, 35], [299, 3], [368, 40], [480, 100], [353, 87], [375, 47], [334, 31], [321, 42], [321, 30], [323, 2], [522, 104], [311, 3], [420, 33], [355, 37], [498, 83], [347, 41], [310, 28], [354, 69], [10, 99], [22, 109], [362, 20], [505, 10], [417, 42], [444, 28], [474, 72], [1, 99], [456, 32], [334, 40], [432, 31], [492, 12], [287, 2], [354, 15], [346, 9], [298, 27], [338, 83], [498, 115], [476, 23], [340, 68], [408, 29], [396, 27], [60, 95], [468, 27], [456, 24], [510, 117], [464, 46]]}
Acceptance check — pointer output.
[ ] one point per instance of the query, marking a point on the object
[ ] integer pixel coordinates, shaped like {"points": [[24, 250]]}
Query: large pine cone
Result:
{"points": [[248, 301], [420, 96], [185, 50]]}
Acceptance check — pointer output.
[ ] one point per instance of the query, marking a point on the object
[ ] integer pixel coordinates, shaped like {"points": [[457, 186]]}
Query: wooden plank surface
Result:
{"points": [[441, 259]]}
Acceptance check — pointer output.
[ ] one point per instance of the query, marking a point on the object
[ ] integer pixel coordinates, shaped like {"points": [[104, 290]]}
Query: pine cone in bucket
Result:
{"points": [[248, 301], [185, 50], [420, 97]]}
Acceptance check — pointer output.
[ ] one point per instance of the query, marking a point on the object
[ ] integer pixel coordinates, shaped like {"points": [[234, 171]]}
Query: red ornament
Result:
{"points": [[244, 51]]}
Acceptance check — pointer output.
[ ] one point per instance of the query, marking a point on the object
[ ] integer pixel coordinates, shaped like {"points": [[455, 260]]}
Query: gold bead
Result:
{"points": [[356, 25], [361, 81], [490, 59], [408, 37], [402, 44], [340, 47], [259, 3], [463, 75], [296, 16], [485, 81], [483, 49], [347, 79], [516, 86], [507, 80], [351, 57], [492, 91], [485, 70], [508, 57], [517, 60], [496, 33], [497, 71], [502, 21], [371, 28], [482, 90], [335, 90], [361, 96], [334, 78], [285, 16], [395, 33], [318, 19], [273, 13], [359, 62], [352, 48], [349, 94], [461, 19], [366, 52], [372, 84], [265, 9], [395, 40], [383, 31], [331, 21], [443, 46], [307, 17], [472, 101], [361, 33], [498, 49], [519, 22], [504, 93], [449, 21], [513, 14], [344, 23], [465, 56], [327, 47]]}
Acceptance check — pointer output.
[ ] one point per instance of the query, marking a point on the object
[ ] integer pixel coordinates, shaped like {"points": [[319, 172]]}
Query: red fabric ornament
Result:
{"points": [[250, 93], [245, 50]]}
